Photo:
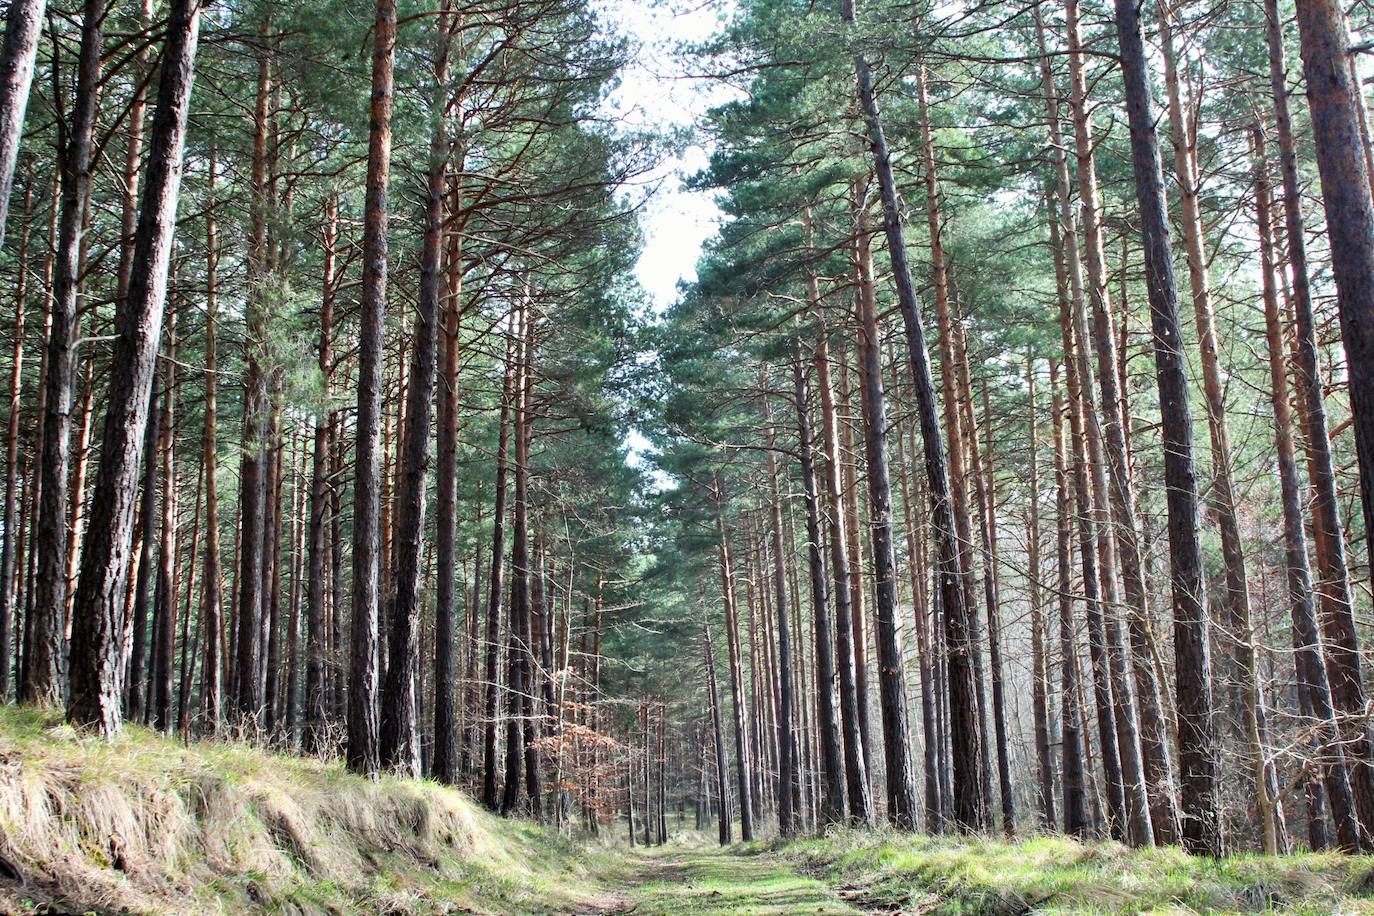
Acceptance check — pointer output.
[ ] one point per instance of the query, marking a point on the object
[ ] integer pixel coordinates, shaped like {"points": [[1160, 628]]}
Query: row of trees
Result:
{"points": [[258, 329], [996, 580]]}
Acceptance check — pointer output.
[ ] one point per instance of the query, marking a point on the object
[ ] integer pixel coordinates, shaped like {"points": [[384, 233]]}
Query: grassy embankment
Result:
{"points": [[146, 824]]}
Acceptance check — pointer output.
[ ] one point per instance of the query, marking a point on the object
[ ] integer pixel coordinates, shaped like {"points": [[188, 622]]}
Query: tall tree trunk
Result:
{"points": [[968, 752], [832, 808], [987, 522], [363, 713], [1223, 499], [1071, 736], [316, 636], [446, 509], [789, 779], [43, 673], [1333, 580], [728, 599], [253, 481], [713, 697], [1198, 756], [1111, 478], [95, 657], [1088, 557], [1311, 668], [212, 681], [859, 795], [400, 727], [1040, 666], [164, 635], [11, 519], [496, 586], [854, 547], [23, 28], [1335, 102], [900, 769]]}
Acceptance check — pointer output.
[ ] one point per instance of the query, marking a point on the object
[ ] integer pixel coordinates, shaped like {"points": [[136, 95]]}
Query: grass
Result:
{"points": [[744, 880], [146, 824], [888, 870]]}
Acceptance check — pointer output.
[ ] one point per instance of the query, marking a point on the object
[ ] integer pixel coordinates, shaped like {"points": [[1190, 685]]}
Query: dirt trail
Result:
{"points": [[710, 880]]}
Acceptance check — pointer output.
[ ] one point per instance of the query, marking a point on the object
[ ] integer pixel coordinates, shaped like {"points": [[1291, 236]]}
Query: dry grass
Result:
{"points": [[144, 824]]}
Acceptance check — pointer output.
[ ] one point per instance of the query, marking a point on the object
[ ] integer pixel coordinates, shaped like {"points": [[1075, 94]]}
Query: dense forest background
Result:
{"points": [[1009, 464]]}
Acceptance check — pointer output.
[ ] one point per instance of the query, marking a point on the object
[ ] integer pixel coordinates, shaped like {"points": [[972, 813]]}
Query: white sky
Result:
{"points": [[657, 93]]}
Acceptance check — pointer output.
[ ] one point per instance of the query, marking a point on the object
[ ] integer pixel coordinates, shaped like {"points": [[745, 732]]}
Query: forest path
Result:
{"points": [[711, 880]]}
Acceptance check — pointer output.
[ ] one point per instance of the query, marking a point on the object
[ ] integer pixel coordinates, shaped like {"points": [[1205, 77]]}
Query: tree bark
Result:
{"points": [[728, 599], [363, 713], [1070, 740], [832, 809], [1311, 668], [725, 821], [496, 586], [789, 778], [95, 656], [43, 674], [400, 726], [1198, 755], [859, 795], [446, 762], [23, 28], [13, 523]]}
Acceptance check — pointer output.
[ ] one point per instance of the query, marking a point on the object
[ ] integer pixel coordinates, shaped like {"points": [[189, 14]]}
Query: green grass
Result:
{"points": [[707, 880], [1057, 875]]}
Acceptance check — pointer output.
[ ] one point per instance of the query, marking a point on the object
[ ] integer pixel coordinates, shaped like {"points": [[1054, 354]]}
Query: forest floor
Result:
{"points": [[147, 824], [709, 880]]}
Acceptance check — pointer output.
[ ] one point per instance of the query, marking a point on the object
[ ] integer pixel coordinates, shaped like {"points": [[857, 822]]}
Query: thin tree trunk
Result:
{"points": [[713, 695], [1070, 740], [316, 637], [164, 635], [13, 524], [900, 769], [789, 779], [1040, 666], [831, 749], [968, 753], [212, 681], [859, 795], [728, 598], [1336, 105], [496, 586], [1222, 497], [252, 478]]}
